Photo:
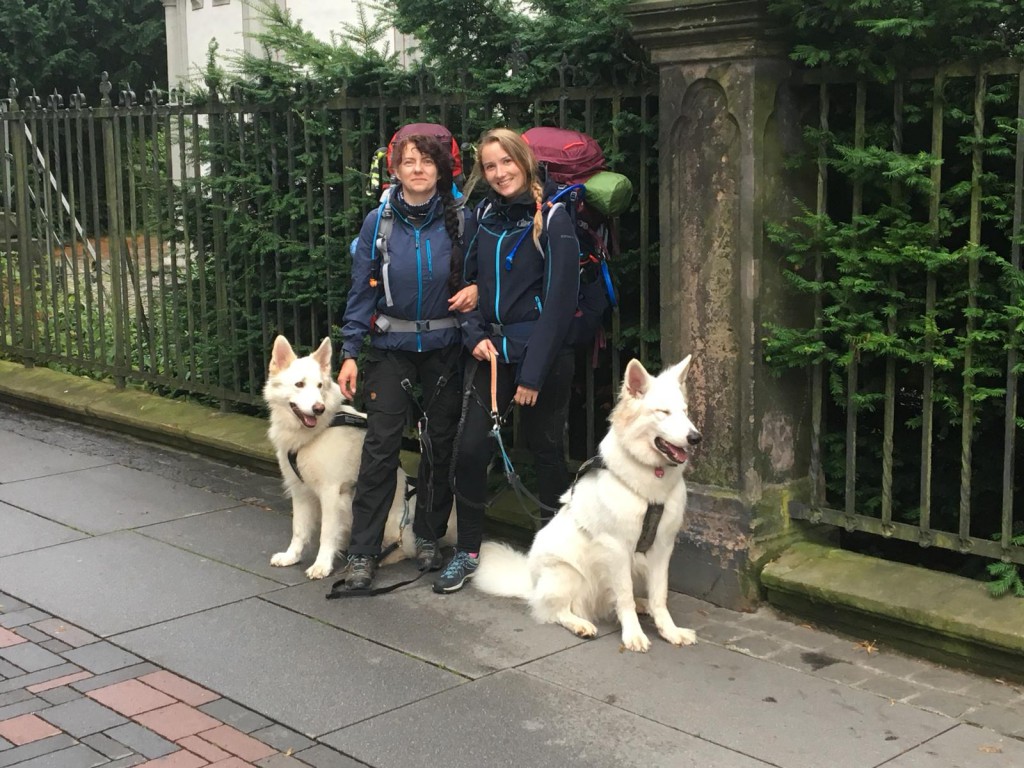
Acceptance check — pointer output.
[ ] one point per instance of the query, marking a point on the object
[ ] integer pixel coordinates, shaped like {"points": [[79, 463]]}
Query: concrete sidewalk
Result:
{"points": [[141, 623]]}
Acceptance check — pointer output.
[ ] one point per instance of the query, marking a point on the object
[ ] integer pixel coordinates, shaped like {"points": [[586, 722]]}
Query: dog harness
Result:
{"points": [[652, 517], [340, 419]]}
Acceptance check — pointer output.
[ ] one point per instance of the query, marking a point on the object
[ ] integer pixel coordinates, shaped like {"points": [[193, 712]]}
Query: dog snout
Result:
{"points": [[319, 408], [694, 437]]}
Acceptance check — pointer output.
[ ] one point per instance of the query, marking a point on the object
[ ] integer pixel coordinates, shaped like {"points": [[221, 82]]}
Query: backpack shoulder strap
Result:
{"points": [[385, 223]]}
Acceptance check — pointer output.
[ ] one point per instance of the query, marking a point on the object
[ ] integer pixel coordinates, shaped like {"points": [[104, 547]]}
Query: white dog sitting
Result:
{"points": [[617, 526]]}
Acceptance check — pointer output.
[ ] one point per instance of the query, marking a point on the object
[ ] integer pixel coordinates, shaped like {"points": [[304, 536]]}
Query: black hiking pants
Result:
{"points": [[387, 406], [542, 426]]}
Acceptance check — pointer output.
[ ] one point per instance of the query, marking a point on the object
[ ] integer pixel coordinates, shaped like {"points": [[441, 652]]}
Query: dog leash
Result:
{"points": [[522, 492]]}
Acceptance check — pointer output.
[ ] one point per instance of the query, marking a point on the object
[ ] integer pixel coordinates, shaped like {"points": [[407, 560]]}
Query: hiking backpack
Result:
{"points": [[591, 195]]}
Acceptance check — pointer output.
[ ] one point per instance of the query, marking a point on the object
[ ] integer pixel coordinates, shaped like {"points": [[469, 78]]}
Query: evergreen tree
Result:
{"points": [[64, 44]]}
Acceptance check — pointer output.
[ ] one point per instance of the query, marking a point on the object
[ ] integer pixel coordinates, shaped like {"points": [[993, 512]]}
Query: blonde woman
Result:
{"points": [[525, 261]]}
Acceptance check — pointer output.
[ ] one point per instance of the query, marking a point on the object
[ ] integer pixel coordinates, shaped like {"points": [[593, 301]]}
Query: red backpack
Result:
{"points": [[570, 157]]}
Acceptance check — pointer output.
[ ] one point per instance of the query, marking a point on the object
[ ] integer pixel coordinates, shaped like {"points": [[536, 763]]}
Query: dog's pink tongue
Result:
{"points": [[678, 454], [309, 421]]}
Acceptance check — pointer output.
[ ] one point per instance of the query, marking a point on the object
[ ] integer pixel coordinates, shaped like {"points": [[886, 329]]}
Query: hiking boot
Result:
{"points": [[459, 571], [360, 571], [428, 555]]}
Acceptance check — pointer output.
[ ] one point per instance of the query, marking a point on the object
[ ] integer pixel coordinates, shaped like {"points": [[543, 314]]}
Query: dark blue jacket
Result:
{"points": [[420, 252], [536, 299]]}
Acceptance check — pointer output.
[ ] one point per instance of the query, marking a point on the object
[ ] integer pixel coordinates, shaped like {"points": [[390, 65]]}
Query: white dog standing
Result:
{"points": [[594, 556], [319, 462]]}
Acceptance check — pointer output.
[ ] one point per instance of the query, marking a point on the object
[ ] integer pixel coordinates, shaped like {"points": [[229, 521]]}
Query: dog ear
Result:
{"points": [[323, 355], [282, 355], [637, 380], [680, 370]]}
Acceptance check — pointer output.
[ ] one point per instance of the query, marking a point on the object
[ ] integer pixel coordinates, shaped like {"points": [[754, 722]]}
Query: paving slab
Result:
{"points": [[469, 632], [22, 458], [141, 582], [511, 718], [964, 746], [24, 531], [245, 537], [751, 706], [110, 498], [296, 670]]}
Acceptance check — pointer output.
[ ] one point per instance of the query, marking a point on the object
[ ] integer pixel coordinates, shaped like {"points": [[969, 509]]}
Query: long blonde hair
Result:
{"points": [[521, 154]]}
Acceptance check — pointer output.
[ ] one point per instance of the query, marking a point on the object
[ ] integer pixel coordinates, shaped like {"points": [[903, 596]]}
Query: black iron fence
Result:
{"points": [[916, 285], [166, 239]]}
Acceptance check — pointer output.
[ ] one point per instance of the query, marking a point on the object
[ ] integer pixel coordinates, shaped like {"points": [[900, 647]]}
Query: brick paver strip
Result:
{"points": [[181, 759], [238, 743], [203, 748], [177, 721], [40, 687], [8, 638], [67, 633], [131, 697], [25, 729], [179, 688], [35, 749]]}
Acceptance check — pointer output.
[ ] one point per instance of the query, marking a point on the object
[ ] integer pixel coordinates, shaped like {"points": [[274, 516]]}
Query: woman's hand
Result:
{"points": [[526, 396], [464, 300], [484, 350], [347, 378]]}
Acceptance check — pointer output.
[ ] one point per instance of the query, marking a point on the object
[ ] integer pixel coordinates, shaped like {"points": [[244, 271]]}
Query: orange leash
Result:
{"points": [[494, 384]]}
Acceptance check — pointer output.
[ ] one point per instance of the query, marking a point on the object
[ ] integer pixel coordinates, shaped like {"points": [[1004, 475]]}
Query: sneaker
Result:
{"points": [[459, 571], [360, 571], [428, 555]]}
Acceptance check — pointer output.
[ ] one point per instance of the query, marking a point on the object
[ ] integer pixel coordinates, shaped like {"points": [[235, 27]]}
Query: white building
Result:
{"points": [[192, 24]]}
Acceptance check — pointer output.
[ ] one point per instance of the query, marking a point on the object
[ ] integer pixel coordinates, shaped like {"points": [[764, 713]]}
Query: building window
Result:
{"points": [[221, 2], [197, 4]]}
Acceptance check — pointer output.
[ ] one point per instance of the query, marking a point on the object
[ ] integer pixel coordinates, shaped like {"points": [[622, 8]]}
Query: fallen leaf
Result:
{"points": [[990, 749], [868, 646]]}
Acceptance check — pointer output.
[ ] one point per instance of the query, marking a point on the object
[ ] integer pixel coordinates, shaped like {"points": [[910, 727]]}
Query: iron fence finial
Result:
{"points": [[12, 91], [564, 67], [153, 95], [77, 100], [105, 89], [126, 98], [55, 100]]}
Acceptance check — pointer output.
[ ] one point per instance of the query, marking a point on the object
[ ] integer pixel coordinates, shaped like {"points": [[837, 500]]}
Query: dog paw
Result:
{"points": [[641, 606], [679, 636], [636, 642], [284, 559], [583, 629], [318, 571]]}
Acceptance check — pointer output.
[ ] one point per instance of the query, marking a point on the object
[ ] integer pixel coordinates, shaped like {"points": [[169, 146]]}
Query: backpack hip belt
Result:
{"points": [[388, 324]]}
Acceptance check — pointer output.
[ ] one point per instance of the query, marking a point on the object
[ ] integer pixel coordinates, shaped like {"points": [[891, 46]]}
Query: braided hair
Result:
{"points": [[442, 157], [522, 155]]}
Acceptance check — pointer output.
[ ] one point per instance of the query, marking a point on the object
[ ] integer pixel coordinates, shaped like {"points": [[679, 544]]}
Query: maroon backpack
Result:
{"points": [[570, 157]]}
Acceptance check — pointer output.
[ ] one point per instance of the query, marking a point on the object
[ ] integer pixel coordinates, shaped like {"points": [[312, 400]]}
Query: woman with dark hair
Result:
{"points": [[525, 259], [407, 290]]}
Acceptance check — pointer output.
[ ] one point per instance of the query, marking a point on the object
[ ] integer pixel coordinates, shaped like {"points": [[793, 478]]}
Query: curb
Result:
{"points": [[940, 616]]}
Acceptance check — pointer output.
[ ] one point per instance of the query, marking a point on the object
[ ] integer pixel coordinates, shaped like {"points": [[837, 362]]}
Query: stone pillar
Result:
{"points": [[729, 118], [177, 43]]}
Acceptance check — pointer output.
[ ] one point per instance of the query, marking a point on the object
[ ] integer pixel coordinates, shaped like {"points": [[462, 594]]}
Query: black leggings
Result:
{"points": [[387, 406], [542, 426]]}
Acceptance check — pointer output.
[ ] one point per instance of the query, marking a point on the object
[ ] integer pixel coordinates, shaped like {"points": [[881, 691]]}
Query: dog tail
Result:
{"points": [[503, 571]]}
